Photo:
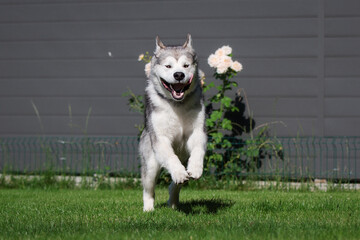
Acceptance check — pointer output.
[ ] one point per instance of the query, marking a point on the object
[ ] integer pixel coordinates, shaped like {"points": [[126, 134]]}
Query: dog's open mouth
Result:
{"points": [[177, 90]]}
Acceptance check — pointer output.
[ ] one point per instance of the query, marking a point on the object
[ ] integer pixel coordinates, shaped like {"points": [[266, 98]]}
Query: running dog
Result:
{"points": [[174, 137]]}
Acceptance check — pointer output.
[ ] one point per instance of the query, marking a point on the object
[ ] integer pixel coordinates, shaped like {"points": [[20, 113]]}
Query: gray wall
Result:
{"points": [[301, 60]]}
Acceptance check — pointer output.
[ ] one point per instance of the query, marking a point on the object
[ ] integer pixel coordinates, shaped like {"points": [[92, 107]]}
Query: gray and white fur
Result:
{"points": [[174, 137]]}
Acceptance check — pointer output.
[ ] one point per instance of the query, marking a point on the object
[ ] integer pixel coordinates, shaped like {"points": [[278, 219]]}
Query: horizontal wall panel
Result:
{"points": [[284, 107], [125, 68], [120, 10], [292, 127], [117, 49], [341, 47], [279, 67], [72, 49], [342, 86], [342, 27], [346, 107], [336, 8], [279, 87], [342, 67], [257, 47], [54, 125], [62, 106], [69, 69], [149, 29], [114, 106], [341, 126], [70, 87]]}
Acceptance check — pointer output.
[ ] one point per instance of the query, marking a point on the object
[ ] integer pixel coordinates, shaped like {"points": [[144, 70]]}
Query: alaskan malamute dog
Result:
{"points": [[174, 135]]}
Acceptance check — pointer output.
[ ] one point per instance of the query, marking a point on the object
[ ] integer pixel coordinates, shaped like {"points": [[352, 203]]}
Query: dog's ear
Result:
{"points": [[159, 44], [188, 43]]}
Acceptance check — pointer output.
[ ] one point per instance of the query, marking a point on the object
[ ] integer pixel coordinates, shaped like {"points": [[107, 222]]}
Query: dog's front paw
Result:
{"points": [[195, 172], [148, 208], [179, 175]]}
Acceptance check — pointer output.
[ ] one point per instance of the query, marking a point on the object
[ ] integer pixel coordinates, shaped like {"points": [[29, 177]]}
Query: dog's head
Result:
{"points": [[174, 70]]}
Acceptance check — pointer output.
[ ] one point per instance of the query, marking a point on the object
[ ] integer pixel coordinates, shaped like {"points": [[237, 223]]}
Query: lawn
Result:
{"points": [[203, 214]]}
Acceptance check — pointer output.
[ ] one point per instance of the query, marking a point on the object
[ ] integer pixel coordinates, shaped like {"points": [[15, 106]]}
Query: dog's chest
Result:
{"points": [[175, 123]]}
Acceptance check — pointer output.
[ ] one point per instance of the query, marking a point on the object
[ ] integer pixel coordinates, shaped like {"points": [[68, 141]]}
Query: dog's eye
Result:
{"points": [[168, 66], [186, 65]]}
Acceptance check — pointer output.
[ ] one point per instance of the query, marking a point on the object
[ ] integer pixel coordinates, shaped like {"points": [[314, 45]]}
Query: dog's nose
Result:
{"points": [[179, 76]]}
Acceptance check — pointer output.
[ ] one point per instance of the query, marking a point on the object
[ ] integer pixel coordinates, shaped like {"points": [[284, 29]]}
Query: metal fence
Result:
{"points": [[331, 158], [70, 155]]}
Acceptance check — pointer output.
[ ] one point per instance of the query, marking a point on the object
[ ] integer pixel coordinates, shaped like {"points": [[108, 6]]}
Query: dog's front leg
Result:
{"points": [[196, 145], [164, 153]]}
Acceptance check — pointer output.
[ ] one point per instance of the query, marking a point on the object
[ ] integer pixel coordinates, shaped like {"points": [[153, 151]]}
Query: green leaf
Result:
{"points": [[208, 87], [226, 124], [217, 136], [234, 109], [263, 130], [215, 115], [219, 157], [226, 101], [209, 123], [210, 146], [253, 151], [226, 144]]}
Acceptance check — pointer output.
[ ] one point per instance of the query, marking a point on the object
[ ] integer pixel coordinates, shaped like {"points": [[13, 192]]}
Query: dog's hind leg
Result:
{"points": [[149, 174], [174, 191]]}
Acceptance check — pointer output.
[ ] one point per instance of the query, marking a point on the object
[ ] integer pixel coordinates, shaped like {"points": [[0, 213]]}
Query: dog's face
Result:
{"points": [[174, 70]]}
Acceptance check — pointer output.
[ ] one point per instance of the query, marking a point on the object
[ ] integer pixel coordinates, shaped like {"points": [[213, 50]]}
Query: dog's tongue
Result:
{"points": [[177, 90]]}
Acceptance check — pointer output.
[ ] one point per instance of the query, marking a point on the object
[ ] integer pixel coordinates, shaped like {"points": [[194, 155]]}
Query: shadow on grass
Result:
{"points": [[203, 206]]}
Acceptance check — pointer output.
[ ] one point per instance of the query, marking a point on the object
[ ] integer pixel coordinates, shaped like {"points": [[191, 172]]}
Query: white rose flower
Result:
{"points": [[227, 61], [222, 61], [227, 50], [220, 52], [213, 60], [236, 66], [222, 68]]}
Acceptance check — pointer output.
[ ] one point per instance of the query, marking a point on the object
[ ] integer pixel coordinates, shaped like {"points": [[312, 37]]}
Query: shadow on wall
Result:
{"points": [[240, 123]]}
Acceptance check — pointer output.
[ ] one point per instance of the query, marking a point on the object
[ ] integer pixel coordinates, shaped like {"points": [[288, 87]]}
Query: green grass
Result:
{"points": [[203, 214]]}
